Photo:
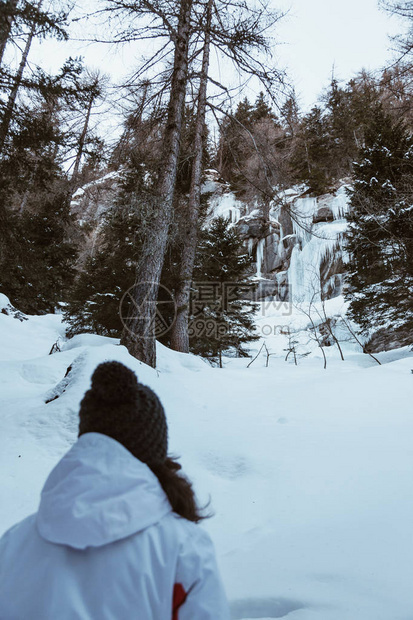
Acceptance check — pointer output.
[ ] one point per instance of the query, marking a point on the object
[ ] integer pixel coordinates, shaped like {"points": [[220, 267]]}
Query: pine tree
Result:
{"points": [[380, 238], [311, 158], [97, 301], [221, 320], [252, 152], [342, 130], [110, 271], [39, 24], [234, 144], [37, 239], [261, 109], [37, 262]]}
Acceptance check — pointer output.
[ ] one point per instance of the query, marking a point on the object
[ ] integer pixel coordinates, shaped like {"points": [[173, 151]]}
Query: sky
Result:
{"points": [[315, 38], [319, 35]]}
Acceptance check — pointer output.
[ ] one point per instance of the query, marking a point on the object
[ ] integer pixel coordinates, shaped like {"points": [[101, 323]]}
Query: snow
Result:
{"points": [[340, 203], [100, 181], [226, 205], [308, 470]]}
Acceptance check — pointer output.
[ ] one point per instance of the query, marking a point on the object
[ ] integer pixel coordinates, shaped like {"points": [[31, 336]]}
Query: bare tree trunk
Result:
{"points": [[5, 27], [8, 114], [139, 333], [353, 333], [316, 336], [330, 330], [179, 334], [82, 138]]}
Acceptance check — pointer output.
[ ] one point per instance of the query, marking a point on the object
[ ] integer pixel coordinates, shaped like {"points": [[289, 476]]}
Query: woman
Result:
{"points": [[116, 534]]}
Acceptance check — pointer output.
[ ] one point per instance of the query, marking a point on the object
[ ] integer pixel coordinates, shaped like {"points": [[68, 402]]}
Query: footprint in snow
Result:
{"points": [[230, 467]]}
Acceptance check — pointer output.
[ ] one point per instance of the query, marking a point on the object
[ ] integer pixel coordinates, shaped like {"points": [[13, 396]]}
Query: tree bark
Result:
{"points": [[139, 333], [179, 334], [5, 27], [82, 138]]}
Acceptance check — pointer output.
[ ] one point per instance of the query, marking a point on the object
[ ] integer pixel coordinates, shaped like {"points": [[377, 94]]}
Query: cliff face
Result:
{"points": [[89, 205], [299, 252]]}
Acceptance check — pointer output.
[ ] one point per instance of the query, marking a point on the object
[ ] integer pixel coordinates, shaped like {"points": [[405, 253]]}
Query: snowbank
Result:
{"points": [[309, 471]]}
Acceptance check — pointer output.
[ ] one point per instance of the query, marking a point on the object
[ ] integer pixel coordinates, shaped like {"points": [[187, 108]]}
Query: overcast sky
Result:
{"points": [[319, 34], [315, 36]]}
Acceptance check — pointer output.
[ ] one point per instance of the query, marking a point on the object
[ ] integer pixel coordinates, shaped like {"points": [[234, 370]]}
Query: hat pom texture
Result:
{"points": [[114, 383], [119, 406]]}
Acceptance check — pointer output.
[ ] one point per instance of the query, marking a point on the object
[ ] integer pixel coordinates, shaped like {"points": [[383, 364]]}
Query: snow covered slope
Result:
{"points": [[309, 471]]}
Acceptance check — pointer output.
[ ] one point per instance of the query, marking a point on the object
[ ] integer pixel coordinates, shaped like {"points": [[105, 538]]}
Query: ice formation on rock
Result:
{"points": [[260, 256], [319, 226]]}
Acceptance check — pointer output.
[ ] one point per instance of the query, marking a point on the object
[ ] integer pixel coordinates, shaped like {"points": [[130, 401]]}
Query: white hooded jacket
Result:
{"points": [[105, 545]]}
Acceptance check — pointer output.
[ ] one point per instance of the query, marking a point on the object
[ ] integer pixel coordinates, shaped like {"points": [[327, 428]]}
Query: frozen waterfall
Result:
{"points": [[316, 243], [260, 256], [226, 205], [250, 245], [304, 276]]}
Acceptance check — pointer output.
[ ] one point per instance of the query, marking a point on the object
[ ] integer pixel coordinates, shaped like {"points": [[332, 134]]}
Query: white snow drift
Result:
{"points": [[309, 471]]}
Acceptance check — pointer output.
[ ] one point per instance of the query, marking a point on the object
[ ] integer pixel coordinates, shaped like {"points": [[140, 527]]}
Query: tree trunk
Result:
{"points": [[82, 139], [8, 114], [139, 328], [179, 335], [5, 27]]}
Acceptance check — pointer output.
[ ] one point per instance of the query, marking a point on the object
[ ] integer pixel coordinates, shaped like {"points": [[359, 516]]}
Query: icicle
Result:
{"points": [[340, 204], [302, 215], [250, 245], [304, 272], [260, 256], [235, 214], [226, 206]]}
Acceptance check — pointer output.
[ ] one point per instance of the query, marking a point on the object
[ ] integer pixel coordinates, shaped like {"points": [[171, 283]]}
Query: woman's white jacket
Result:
{"points": [[105, 545]]}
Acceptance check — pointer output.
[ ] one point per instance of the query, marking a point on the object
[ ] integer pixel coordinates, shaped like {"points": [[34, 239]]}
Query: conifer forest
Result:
{"points": [[177, 118]]}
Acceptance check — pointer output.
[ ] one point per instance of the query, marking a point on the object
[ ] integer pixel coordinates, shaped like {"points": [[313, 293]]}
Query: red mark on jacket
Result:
{"points": [[179, 598]]}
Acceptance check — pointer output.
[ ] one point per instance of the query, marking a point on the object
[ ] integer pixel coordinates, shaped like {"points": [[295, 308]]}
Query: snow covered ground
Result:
{"points": [[309, 471]]}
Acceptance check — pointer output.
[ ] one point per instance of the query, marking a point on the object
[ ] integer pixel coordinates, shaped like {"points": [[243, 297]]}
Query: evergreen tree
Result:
{"points": [[311, 157], [94, 300], [261, 109], [253, 151], [380, 238], [290, 116], [105, 277], [37, 261], [221, 319], [39, 24], [234, 144], [37, 236], [342, 130]]}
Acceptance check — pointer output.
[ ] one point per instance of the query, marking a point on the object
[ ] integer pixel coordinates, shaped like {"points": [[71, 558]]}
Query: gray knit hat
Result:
{"points": [[119, 406]]}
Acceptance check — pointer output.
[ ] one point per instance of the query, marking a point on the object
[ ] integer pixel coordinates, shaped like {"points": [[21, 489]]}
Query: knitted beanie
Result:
{"points": [[119, 406]]}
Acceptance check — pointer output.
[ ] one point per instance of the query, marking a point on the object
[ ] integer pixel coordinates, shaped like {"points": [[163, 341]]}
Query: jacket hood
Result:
{"points": [[99, 493]]}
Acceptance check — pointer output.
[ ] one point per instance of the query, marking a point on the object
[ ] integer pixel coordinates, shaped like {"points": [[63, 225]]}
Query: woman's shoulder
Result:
{"points": [[191, 535]]}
